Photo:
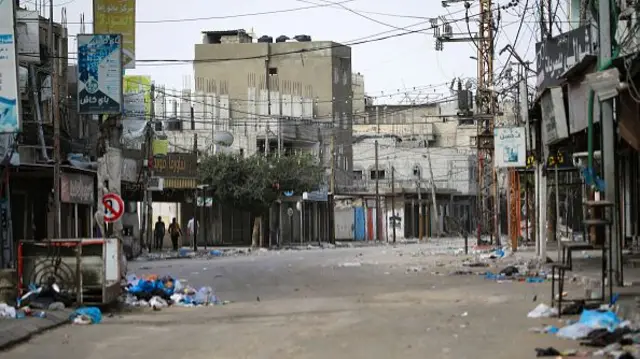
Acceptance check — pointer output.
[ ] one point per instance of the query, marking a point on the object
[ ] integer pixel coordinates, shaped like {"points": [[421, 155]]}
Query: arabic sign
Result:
{"points": [[176, 165], [76, 188], [558, 54], [118, 17], [129, 171], [9, 91], [99, 74], [28, 35], [510, 147], [554, 119], [137, 95]]}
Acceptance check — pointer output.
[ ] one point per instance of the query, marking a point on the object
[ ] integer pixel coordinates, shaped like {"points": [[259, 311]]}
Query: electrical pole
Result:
{"points": [[195, 200], [433, 191], [332, 150], [420, 219], [55, 113], [377, 195], [148, 195], [393, 202], [267, 84], [609, 142]]}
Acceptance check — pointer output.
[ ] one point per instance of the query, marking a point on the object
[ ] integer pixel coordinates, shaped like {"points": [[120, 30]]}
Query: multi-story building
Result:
{"points": [[297, 93]]}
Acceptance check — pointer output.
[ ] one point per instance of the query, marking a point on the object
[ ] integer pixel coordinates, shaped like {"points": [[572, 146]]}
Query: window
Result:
{"points": [[473, 141], [273, 70], [357, 175], [379, 174], [416, 171]]}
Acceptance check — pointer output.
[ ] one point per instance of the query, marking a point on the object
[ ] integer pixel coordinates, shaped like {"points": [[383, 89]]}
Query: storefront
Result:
{"points": [[77, 194]]}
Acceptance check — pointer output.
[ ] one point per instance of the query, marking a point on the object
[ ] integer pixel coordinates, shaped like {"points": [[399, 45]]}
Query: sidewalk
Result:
{"points": [[15, 331]]}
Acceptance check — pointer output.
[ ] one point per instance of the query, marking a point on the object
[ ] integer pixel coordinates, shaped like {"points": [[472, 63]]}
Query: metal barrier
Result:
{"points": [[88, 269]]}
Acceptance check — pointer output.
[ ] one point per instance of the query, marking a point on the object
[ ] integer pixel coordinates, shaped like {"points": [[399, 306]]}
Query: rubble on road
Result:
{"points": [[160, 292], [37, 302]]}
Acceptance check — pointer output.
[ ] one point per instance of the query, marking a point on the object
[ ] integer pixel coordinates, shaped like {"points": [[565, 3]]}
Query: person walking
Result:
{"points": [[158, 234], [191, 229], [175, 232]]}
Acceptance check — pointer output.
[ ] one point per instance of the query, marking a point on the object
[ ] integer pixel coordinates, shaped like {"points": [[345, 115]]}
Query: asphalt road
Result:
{"points": [[340, 303]]}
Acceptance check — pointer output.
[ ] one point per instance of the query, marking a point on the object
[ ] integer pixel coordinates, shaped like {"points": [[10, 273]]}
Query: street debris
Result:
{"points": [[351, 264], [161, 292], [86, 315], [601, 329]]}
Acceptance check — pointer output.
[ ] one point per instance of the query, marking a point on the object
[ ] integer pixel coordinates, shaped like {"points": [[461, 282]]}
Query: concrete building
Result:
{"points": [[299, 90]]}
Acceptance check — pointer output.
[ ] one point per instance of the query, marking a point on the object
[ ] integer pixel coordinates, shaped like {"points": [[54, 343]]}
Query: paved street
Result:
{"points": [[376, 302]]}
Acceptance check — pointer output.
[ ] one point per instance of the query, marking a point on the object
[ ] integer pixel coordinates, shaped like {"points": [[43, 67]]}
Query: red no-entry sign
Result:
{"points": [[113, 207]]}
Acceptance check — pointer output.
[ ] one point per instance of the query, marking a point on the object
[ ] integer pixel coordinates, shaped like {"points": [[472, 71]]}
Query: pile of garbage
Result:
{"points": [[37, 301], [600, 331], [160, 292]]}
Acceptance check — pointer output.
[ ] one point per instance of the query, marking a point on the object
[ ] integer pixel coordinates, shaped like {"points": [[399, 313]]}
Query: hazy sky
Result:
{"points": [[389, 66]]}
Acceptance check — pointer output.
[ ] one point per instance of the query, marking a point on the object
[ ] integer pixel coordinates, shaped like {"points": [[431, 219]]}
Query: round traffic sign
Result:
{"points": [[113, 207]]}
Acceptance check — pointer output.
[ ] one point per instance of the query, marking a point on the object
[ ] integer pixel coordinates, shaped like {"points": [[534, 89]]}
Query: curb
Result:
{"points": [[25, 338]]}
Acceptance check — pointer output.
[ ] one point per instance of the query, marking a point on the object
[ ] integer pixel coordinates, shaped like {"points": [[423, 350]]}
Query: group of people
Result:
{"points": [[175, 232]]}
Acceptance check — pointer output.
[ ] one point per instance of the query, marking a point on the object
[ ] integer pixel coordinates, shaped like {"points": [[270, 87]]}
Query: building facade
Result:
{"points": [[297, 91]]}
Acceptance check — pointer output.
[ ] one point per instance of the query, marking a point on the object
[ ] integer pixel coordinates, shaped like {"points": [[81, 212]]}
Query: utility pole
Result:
{"points": [[267, 84], [195, 200], [55, 113], [332, 150], [433, 191], [377, 195], [148, 195], [420, 216], [550, 16], [393, 202], [609, 143]]}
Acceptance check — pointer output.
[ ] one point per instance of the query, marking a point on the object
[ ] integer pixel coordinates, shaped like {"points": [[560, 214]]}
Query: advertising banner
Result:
{"points": [[137, 95], [99, 74], [510, 147], [118, 17], [9, 91]]}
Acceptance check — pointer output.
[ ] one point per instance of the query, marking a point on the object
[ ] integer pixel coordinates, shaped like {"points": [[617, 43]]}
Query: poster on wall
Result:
{"points": [[118, 17], [510, 147], [9, 91], [99, 74], [137, 95]]}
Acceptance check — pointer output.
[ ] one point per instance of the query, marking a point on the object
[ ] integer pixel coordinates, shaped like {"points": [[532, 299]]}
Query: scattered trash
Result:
{"points": [[542, 311], [215, 253], [509, 271], [86, 315], [7, 311], [161, 292], [351, 264]]}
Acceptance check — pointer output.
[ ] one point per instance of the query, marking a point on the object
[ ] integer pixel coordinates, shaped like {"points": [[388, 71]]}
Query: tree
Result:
{"points": [[254, 183]]}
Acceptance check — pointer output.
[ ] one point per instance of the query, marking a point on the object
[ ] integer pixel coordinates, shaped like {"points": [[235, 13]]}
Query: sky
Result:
{"points": [[402, 67]]}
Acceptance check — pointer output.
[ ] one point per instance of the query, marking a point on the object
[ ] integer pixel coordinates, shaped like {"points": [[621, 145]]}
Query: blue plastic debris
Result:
{"points": [[535, 280], [92, 313], [215, 253], [599, 319], [183, 252]]}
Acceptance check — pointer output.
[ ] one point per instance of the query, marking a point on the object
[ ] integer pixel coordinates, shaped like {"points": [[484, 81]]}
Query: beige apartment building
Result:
{"points": [[297, 90]]}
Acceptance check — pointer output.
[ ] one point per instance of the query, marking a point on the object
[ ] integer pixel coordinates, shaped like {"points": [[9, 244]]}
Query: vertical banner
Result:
{"points": [[510, 147], [118, 17], [137, 96], [99, 74], [9, 91]]}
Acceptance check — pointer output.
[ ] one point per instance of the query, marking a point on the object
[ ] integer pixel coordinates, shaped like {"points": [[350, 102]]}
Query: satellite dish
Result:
{"points": [[223, 138]]}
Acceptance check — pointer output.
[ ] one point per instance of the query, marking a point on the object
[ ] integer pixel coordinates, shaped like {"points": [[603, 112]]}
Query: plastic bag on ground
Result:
{"points": [[203, 296], [599, 320], [574, 331], [542, 311], [7, 311], [158, 303], [91, 314]]}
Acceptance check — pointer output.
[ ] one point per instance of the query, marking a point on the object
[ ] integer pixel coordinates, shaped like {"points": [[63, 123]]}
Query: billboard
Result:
{"points": [[510, 147], [9, 91], [118, 17], [99, 74], [137, 95]]}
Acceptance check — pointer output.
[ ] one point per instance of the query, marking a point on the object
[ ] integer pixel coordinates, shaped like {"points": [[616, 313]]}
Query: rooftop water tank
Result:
{"points": [[302, 38], [282, 38], [266, 39]]}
